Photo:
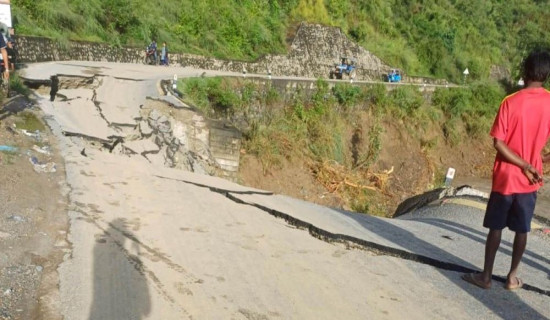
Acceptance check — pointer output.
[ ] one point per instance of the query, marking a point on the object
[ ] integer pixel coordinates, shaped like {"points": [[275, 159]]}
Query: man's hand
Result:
{"points": [[532, 174]]}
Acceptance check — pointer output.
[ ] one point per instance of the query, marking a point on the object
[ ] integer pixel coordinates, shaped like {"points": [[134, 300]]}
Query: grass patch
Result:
{"points": [[16, 84], [29, 121]]}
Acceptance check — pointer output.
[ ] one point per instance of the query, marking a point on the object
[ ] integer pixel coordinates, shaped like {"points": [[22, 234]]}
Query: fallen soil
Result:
{"points": [[417, 164], [33, 219]]}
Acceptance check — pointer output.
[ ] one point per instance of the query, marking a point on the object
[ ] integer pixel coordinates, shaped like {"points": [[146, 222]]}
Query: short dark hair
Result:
{"points": [[536, 67]]}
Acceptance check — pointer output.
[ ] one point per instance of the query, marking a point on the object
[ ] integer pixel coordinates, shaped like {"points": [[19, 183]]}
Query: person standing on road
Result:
{"points": [[164, 55], [12, 54], [5, 64], [520, 131], [153, 47]]}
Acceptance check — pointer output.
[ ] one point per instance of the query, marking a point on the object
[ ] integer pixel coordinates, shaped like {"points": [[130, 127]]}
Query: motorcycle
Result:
{"points": [[150, 56]]}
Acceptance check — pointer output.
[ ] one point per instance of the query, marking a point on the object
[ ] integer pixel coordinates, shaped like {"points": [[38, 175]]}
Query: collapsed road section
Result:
{"points": [[161, 129]]}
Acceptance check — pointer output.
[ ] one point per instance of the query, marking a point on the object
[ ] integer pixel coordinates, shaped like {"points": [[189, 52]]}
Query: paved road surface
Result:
{"points": [[150, 242], [542, 210]]}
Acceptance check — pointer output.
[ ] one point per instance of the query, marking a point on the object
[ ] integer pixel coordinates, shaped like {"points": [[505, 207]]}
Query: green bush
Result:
{"points": [[406, 100], [321, 98], [476, 105], [222, 99], [271, 97], [196, 90], [454, 101], [377, 95], [486, 98], [18, 86], [212, 95], [346, 94]]}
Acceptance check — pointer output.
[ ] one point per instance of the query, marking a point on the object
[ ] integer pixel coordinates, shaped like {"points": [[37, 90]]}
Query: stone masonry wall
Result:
{"points": [[37, 49]]}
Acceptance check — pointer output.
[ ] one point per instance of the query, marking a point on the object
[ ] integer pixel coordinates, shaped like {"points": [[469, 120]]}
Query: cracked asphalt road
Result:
{"points": [[150, 242]]}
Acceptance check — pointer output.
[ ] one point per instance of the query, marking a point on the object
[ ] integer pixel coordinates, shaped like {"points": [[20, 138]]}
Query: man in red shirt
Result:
{"points": [[520, 131]]}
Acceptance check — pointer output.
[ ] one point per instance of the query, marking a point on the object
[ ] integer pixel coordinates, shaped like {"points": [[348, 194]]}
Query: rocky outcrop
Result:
{"points": [[316, 49]]}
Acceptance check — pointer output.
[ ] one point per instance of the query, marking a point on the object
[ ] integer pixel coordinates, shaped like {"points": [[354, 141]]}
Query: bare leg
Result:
{"points": [[520, 242], [491, 248], [483, 279]]}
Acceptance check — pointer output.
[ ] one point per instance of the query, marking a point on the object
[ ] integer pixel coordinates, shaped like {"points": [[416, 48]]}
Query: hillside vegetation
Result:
{"points": [[346, 136], [430, 37]]}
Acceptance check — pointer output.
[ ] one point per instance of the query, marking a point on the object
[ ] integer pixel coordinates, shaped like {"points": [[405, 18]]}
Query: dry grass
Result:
{"points": [[356, 187]]}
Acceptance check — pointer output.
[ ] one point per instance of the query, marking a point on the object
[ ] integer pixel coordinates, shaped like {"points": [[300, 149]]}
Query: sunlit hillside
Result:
{"points": [[432, 38]]}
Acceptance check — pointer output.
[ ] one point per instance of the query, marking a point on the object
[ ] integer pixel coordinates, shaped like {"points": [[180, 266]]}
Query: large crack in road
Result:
{"points": [[349, 241]]}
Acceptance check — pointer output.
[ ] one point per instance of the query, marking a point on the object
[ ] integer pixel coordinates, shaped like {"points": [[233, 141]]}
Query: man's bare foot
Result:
{"points": [[477, 280], [513, 283]]}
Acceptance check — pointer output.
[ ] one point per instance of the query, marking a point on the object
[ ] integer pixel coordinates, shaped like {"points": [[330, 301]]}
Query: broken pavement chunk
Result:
{"points": [[145, 129], [142, 146]]}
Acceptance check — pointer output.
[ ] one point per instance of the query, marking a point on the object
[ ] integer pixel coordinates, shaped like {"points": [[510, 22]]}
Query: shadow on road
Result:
{"points": [[530, 258], [120, 286], [505, 304]]}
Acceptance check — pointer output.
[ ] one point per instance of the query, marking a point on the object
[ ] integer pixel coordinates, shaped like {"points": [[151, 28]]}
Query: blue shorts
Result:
{"points": [[514, 211]]}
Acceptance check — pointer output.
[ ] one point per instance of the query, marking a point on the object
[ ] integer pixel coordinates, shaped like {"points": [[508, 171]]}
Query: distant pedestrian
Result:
{"points": [[12, 54], [520, 131], [4, 61], [164, 55], [153, 48]]}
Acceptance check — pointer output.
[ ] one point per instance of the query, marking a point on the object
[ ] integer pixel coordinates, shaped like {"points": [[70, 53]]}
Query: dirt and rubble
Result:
{"points": [[408, 167], [33, 219]]}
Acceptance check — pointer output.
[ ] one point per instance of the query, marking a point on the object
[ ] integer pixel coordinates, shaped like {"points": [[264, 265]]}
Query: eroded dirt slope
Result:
{"points": [[417, 164]]}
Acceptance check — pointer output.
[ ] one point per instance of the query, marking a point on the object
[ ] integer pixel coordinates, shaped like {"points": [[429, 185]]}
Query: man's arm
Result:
{"points": [[532, 174], [6, 63]]}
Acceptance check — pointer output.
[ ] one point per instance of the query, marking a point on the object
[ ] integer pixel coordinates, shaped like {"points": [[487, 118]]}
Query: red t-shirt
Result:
{"points": [[523, 123]]}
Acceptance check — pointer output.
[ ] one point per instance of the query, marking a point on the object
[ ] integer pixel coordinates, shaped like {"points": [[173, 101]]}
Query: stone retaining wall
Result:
{"points": [[37, 49], [225, 146]]}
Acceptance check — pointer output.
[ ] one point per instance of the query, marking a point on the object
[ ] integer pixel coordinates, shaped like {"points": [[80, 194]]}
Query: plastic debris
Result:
{"points": [[35, 135], [43, 150], [7, 148], [42, 167], [16, 218]]}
